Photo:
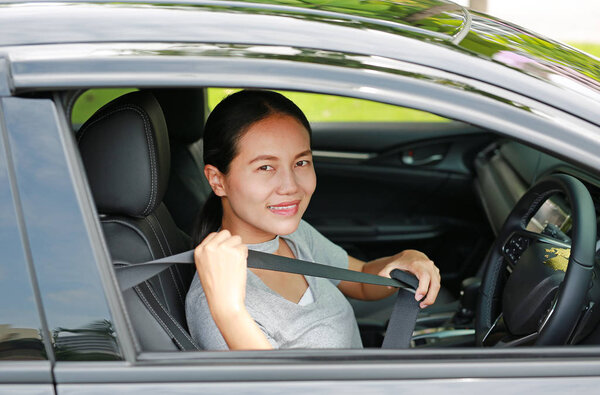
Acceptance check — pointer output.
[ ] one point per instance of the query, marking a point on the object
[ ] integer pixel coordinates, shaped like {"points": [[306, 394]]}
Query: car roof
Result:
{"points": [[433, 33], [438, 19]]}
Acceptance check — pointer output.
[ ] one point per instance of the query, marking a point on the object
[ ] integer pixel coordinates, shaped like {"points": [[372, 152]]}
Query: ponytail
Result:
{"points": [[209, 219]]}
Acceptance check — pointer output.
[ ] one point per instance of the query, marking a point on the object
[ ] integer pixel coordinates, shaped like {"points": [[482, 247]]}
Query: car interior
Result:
{"points": [[445, 188]]}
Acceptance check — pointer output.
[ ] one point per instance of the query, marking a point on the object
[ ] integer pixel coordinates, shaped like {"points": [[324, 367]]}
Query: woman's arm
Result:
{"points": [[221, 262], [412, 261]]}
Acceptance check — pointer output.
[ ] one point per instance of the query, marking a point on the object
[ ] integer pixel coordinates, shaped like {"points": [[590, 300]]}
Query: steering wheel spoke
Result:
{"points": [[521, 240], [543, 238]]}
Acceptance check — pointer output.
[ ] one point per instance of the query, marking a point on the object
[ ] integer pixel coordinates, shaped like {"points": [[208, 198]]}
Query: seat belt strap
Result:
{"points": [[403, 318], [402, 321], [130, 275]]}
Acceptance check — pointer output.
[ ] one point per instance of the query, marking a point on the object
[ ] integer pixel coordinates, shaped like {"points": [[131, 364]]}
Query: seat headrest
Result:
{"points": [[184, 113], [125, 151]]}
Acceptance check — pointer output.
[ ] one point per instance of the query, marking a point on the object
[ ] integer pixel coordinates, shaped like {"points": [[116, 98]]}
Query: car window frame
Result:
{"points": [[424, 88], [97, 76]]}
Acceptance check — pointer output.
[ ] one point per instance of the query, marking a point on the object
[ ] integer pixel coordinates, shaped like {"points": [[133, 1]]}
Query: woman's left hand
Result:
{"points": [[420, 265]]}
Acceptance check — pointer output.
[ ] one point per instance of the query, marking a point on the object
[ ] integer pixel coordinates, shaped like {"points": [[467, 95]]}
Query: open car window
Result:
{"points": [[429, 203]]}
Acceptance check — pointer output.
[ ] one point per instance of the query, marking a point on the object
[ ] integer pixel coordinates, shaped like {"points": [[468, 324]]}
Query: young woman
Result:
{"points": [[258, 162]]}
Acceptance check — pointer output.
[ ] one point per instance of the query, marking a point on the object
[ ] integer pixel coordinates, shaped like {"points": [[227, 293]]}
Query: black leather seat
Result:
{"points": [[125, 150], [185, 112]]}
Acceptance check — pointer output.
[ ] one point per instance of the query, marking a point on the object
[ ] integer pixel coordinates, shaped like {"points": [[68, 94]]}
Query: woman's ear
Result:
{"points": [[215, 179]]}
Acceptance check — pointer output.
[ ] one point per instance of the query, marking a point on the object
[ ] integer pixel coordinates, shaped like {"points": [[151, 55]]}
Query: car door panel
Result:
{"points": [[382, 202]]}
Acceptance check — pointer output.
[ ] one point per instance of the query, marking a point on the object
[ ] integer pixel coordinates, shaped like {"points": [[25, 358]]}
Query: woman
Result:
{"points": [[258, 162]]}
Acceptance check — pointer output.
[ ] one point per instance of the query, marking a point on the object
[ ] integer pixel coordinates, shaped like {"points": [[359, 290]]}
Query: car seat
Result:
{"points": [[185, 113], [125, 150]]}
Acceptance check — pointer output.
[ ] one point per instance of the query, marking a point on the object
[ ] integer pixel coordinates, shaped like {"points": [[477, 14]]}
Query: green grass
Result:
{"points": [[591, 48], [91, 101], [326, 108]]}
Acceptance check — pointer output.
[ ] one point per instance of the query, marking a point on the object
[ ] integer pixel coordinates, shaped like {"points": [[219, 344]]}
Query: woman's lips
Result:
{"points": [[285, 209]]}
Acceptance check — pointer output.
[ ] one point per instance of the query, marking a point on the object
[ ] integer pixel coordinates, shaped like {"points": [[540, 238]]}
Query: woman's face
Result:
{"points": [[270, 181]]}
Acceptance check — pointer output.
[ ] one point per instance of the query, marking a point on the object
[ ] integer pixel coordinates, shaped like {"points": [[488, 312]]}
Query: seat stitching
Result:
{"points": [[113, 220], [173, 318], [153, 167], [176, 286], [163, 325], [141, 234], [149, 141], [164, 236], [155, 235], [181, 282], [172, 267], [162, 287]]}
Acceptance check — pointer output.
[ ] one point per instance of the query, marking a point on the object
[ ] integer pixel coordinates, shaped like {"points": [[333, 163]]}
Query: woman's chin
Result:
{"points": [[286, 227]]}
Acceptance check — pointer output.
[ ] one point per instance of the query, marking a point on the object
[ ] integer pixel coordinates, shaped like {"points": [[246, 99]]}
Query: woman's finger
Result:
{"points": [[434, 289], [231, 241], [424, 280], [220, 237], [207, 239], [243, 249]]}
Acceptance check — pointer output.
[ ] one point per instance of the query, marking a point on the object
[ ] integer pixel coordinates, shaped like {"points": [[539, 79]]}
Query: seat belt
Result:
{"points": [[402, 320]]}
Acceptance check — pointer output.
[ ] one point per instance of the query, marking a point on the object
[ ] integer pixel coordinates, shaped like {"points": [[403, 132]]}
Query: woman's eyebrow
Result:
{"points": [[304, 153], [272, 157], [263, 157]]}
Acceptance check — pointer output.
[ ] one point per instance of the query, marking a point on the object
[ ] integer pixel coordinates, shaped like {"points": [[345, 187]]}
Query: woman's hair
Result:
{"points": [[225, 126]]}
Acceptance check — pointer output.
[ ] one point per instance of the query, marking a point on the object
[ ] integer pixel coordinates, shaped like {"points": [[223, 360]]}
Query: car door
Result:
{"points": [[83, 265], [390, 186]]}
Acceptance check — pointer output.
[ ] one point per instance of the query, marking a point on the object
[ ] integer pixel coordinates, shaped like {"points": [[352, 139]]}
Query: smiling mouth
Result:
{"points": [[285, 209]]}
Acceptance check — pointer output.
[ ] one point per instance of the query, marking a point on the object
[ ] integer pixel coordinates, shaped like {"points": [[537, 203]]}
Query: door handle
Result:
{"points": [[408, 158]]}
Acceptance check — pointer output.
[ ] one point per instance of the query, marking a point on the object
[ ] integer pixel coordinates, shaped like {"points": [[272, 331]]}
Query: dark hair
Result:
{"points": [[225, 126]]}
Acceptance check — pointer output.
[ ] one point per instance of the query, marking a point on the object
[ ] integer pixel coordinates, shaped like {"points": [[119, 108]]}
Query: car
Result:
{"points": [[101, 112]]}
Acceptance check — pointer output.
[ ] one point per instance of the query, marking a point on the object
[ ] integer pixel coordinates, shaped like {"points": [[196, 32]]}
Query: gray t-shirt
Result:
{"points": [[327, 322]]}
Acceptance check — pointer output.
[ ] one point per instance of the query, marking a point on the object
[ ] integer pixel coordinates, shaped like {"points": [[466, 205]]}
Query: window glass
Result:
{"points": [[326, 108], [20, 329], [65, 267]]}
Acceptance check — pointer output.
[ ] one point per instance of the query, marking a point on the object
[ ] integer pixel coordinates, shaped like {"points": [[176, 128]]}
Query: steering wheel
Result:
{"points": [[534, 285]]}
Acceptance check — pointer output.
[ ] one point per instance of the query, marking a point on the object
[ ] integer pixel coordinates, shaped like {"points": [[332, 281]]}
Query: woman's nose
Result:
{"points": [[288, 183]]}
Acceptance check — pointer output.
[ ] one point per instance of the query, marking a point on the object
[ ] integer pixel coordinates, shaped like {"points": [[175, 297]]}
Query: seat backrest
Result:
{"points": [[188, 189], [125, 150]]}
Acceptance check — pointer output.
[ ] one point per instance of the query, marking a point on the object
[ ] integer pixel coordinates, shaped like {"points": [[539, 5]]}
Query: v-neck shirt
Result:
{"points": [[327, 322]]}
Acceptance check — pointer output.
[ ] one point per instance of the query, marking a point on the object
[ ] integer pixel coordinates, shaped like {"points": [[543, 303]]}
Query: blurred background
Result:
{"points": [[575, 22]]}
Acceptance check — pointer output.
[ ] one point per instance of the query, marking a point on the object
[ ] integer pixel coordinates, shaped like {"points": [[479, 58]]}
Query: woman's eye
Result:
{"points": [[266, 168], [302, 163]]}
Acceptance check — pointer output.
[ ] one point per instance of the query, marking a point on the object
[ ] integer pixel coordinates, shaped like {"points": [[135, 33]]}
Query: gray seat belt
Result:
{"points": [[402, 320]]}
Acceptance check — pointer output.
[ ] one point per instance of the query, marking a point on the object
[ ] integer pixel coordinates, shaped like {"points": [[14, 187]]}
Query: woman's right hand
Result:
{"points": [[221, 262]]}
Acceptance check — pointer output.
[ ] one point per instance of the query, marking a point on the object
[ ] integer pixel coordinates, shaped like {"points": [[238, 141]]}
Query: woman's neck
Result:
{"points": [[248, 233]]}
